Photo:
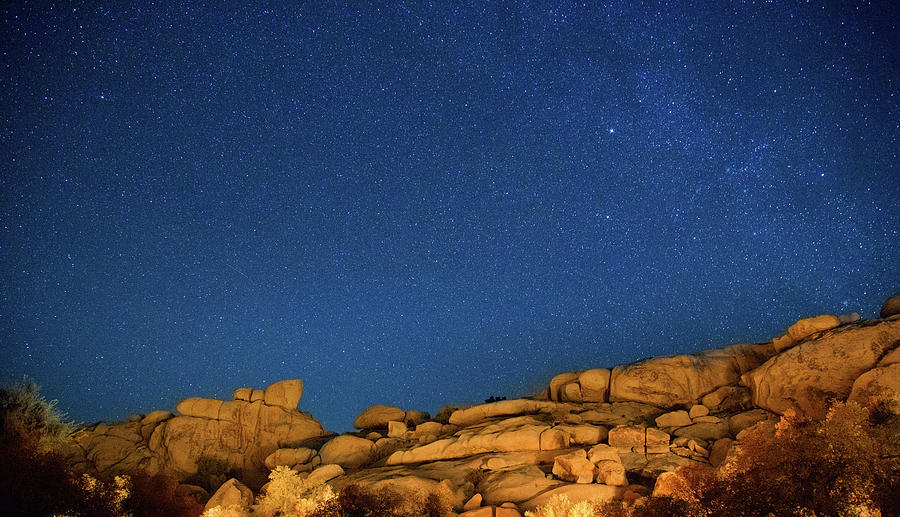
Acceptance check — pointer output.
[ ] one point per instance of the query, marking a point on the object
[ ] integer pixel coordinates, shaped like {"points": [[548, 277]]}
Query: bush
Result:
{"points": [[287, 494], [29, 420], [841, 465]]}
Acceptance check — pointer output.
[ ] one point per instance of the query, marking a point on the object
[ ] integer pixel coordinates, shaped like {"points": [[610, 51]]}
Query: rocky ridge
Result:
{"points": [[598, 434]]}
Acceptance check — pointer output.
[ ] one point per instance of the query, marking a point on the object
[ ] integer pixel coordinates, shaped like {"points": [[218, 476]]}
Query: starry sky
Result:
{"points": [[422, 203]]}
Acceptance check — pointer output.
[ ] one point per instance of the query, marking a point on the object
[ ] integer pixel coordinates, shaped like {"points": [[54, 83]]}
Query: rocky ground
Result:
{"points": [[602, 433]]}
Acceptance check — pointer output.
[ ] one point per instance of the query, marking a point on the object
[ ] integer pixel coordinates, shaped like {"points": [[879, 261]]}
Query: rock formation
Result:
{"points": [[602, 433]]}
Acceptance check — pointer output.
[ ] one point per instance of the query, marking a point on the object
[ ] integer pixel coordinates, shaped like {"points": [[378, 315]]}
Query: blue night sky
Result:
{"points": [[422, 203]]}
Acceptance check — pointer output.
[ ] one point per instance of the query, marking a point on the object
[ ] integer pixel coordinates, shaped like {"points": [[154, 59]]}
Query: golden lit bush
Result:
{"points": [[288, 494], [561, 506], [841, 465]]}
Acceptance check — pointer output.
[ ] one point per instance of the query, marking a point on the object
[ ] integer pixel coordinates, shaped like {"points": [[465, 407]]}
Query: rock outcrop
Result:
{"points": [[603, 433], [239, 434]]}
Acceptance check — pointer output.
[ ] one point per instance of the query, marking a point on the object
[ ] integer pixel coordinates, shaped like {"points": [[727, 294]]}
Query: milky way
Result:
{"points": [[418, 204]]}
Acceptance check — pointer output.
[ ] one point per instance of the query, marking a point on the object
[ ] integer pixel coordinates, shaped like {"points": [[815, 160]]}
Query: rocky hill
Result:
{"points": [[603, 433]]}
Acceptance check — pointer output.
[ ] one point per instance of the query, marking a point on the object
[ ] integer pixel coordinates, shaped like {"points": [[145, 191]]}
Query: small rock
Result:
{"points": [[473, 503], [603, 452], [611, 473], [708, 419], [242, 394], [324, 474], [574, 467], [231, 493], [678, 418], [698, 411]]}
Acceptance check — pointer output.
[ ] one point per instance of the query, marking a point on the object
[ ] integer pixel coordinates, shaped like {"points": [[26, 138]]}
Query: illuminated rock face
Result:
{"points": [[804, 376], [590, 435], [239, 433]]}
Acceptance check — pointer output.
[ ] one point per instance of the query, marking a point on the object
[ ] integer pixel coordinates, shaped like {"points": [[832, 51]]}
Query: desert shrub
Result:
{"points": [[840, 465], [561, 506], [288, 494], [28, 419], [155, 496], [356, 501]]}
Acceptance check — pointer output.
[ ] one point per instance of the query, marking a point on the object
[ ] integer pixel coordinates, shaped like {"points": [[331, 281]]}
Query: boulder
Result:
{"points": [[521, 433], [680, 380], [473, 502], [891, 306], [627, 437], [878, 385], [704, 431], [289, 457], [324, 474], [809, 326], [285, 394], [515, 485], [377, 417], [728, 398], [558, 382], [677, 418], [741, 421], [584, 434], [603, 452], [594, 385], [242, 394], [200, 407], [804, 376], [469, 416], [231, 493], [611, 473], [554, 439], [155, 417], [698, 410], [656, 441], [575, 492], [348, 451], [396, 429], [574, 467]]}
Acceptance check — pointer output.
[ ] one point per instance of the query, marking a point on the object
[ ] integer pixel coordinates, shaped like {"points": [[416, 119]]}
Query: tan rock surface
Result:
{"points": [[289, 457], [558, 382], [348, 451], [285, 394], [891, 306], [595, 385], [474, 414], [679, 418], [377, 417], [878, 385], [822, 367], [682, 379], [574, 467], [808, 326], [231, 493]]}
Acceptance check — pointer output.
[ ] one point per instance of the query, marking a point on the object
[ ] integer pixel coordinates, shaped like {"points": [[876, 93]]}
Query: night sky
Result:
{"points": [[421, 203]]}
